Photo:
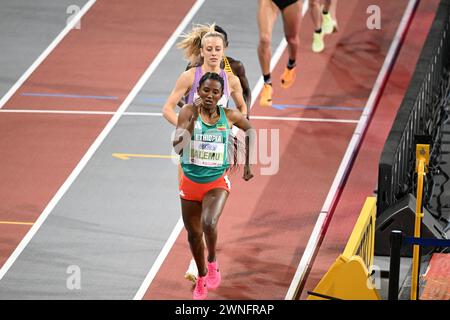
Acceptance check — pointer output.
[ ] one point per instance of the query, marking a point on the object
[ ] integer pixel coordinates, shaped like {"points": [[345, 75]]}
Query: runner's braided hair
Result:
{"points": [[236, 145], [212, 76]]}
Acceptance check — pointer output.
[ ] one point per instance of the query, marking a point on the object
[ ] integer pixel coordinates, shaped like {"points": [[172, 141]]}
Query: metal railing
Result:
{"points": [[417, 115]]}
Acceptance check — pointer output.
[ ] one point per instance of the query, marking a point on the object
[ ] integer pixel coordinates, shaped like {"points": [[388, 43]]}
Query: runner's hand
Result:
{"points": [[196, 108], [247, 173], [197, 104]]}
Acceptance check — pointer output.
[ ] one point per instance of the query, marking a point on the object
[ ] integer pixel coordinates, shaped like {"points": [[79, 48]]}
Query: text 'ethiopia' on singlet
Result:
{"points": [[205, 158]]}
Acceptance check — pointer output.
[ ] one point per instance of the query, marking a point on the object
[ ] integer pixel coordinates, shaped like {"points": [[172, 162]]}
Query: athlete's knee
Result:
{"points": [[264, 41], [194, 237], [292, 39], [209, 225]]}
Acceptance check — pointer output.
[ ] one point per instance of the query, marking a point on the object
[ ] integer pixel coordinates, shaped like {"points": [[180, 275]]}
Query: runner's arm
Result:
{"points": [[236, 94], [239, 71], [181, 87], [185, 126], [240, 121], [182, 101]]}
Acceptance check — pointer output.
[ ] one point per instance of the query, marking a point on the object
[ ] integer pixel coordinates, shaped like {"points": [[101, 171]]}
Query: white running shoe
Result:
{"points": [[318, 44], [329, 25], [192, 272]]}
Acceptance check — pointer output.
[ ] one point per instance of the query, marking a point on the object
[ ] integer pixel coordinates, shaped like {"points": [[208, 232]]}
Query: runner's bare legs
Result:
{"points": [[266, 17]]}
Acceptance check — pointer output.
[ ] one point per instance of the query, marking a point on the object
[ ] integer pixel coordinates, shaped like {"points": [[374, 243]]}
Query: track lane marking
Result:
{"points": [[46, 52], [303, 119], [67, 95], [127, 156], [17, 223], [159, 114]]}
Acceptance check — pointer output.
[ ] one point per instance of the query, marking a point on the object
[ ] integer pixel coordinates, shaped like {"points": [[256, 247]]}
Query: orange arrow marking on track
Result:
{"points": [[127, 156], [17, 223]]}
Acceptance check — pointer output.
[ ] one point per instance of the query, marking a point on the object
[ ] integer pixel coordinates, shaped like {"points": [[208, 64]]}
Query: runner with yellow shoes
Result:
{"points": [[324, 20]]}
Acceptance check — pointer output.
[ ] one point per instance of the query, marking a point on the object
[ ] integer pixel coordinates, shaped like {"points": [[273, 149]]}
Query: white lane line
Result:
{"points": [[57, 112], [159, 260], [79, 112], [159, 114], [304, 119], [80, 166], [145, 114], [46, 52], [175, 233], [326, 211], [178, 227]]}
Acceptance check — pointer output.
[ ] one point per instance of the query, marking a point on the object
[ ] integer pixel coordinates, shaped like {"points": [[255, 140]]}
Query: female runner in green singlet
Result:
{"points": [[201, 138]]}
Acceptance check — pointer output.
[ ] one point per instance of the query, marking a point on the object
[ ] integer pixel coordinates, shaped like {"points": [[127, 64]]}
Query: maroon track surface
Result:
{"points": [[98, 59], [267, 222]]}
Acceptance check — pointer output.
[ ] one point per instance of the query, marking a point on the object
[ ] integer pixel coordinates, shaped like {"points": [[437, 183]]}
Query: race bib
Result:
{"points": [[207, 154]]}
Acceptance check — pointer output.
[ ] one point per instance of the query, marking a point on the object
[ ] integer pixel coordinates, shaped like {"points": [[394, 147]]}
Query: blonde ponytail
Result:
{"points": [[193, 41]]}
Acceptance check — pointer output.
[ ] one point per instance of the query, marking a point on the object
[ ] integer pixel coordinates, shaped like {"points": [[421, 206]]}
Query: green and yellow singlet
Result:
{"points": [[205, 158]]}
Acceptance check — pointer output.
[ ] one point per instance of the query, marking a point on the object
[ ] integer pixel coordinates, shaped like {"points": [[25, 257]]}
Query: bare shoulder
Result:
{"points": [[185, 80], [236, 65], [187, 77], [188, 74], [233, 79], [187, 109], [232, 114]]}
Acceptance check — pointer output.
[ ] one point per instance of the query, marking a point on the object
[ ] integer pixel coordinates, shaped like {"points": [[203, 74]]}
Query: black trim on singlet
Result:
{"points": [[282, 4]]}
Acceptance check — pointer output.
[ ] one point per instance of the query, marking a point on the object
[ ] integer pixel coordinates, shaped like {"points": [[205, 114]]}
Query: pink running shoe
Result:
{"points": [[200, 291], [213, 277]]}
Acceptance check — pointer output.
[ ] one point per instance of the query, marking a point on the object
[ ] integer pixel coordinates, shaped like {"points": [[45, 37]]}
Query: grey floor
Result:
{"points": [[27, 27], [382, 276]]}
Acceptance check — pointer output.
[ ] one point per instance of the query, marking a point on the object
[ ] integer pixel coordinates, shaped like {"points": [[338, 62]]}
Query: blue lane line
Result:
{"points": [[61, 95], [294, 106]]}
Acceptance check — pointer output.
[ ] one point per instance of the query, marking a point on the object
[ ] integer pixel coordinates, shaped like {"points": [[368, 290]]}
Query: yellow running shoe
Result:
{"points": [[318, 45], [328, 24], [288, 77], [266, 96], [191, 273]]}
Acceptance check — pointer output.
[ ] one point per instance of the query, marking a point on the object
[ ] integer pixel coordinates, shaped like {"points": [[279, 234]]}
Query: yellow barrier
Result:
{"points": [[422, 160], [348, 278], [361, 242]]}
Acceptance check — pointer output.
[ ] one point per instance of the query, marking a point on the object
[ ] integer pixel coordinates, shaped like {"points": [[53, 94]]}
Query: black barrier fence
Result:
{"points": [[419, 114]]}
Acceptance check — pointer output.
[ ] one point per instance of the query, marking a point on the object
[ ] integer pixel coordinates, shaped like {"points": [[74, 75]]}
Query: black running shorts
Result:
{"points": [[281, 4]]}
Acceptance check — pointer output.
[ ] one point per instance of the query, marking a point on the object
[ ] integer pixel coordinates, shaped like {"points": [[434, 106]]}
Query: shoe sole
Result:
{"points": [[335, 30], [318, 51], [200, 298], [266, 103], [286, 85], [215, 287], [322, 47]]}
